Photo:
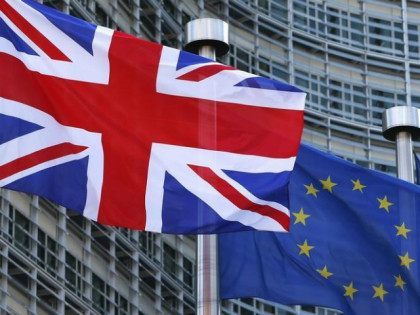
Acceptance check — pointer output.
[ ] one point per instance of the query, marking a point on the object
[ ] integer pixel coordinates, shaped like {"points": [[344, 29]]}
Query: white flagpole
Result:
{"points": [[209, 38], [402, 124]]}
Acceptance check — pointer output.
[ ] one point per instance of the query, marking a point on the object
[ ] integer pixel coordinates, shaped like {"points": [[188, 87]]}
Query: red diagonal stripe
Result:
{"points": [[234, 196], [40, 40], [203, 72], [38, 157]]}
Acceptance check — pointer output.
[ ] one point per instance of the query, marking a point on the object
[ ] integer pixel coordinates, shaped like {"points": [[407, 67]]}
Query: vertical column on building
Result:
{"points": [[158, 257], [177, 32], [224, 10], [290, 62], [87, 259], [366, 80], [33, 216], [327, 82], [111, 268], [256, 39], [62, 242], [327, 79], [33, 276], [91, 6], [4, 252], [4, 264], [179, 244], [200, 4], [66, 6], [158, 25], [135, 23], [114, 13], [134, 294], [407, 77]]}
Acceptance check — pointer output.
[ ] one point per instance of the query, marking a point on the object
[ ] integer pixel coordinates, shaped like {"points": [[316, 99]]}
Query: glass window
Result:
{"points": [[310, 309], [263, 4], [299, 7], [188, 274], [19, 228], [121, 305], [147, 243], [169, 259], [73, 274], [100, 291]]}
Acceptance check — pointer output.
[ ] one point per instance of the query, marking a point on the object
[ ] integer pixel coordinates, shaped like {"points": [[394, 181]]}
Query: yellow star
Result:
{"points": [[379, 292], [300, 216], [327, 184], [311, 190], [399, 282], [384, 203], [406, 260], [402, 230], [349, 290], [324, 272], [305, 248], [357, 185]]}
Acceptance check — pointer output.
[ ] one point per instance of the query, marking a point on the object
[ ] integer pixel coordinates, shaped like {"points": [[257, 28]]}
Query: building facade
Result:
{"points": [[354, 58]]}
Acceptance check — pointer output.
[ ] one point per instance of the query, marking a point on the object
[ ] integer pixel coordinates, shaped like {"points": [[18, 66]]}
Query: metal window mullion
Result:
{"points": [[179, 270], [111, 271], [87, 259], [33, 232], [3, 278], [368, 99], [135, 23], [5, 214], [62, 242], [158, 25], [158, 272], [200, 5], [32, 308], [290, 51], [406, 52], [327, 83], [66, 6], [178, 19], [114, 12], [254, 65], [134, 296]]}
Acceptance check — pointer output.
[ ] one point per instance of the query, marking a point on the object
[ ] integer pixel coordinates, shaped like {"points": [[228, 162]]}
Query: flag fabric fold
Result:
{"points": [[134, 134], [353, 243]]}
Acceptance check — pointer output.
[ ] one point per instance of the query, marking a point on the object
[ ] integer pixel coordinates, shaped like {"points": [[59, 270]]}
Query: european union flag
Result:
{"points": [[353, 245]]}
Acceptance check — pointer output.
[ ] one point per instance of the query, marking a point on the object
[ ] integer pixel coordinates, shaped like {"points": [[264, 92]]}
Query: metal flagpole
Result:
{"points": [[402, 124], [209, 38]]}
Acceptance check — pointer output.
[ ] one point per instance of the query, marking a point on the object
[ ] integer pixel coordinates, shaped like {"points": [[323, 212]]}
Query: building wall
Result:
{"points": [[55, 262], [354, 58]]}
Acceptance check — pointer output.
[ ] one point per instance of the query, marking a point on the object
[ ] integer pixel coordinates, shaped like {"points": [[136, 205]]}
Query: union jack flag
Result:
{"points": [[134, 134]]}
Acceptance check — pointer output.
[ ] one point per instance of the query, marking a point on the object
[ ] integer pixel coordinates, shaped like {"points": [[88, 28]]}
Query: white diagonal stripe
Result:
{"points": [[175, 160], [221, 86]]}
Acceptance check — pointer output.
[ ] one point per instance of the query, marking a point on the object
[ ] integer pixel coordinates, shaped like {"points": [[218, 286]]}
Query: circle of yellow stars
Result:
{"points": [[379, 291]]}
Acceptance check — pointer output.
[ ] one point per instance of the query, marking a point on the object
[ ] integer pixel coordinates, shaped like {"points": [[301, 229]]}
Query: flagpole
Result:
{"points": [[209, 38], [402, 124]]}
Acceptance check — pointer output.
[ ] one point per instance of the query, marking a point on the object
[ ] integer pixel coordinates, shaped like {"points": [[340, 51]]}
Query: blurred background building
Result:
{"points": [[354, 58]]}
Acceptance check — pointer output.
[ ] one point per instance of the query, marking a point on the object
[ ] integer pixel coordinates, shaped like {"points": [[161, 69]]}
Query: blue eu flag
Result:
{"points": [[353, 244]]}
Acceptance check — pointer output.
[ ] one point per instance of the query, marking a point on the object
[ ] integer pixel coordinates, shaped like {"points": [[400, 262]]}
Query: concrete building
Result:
{"points": [[354, 58]]}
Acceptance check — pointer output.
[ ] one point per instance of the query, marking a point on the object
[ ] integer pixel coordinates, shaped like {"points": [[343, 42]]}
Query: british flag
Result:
{"points": [[134, 134]]}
